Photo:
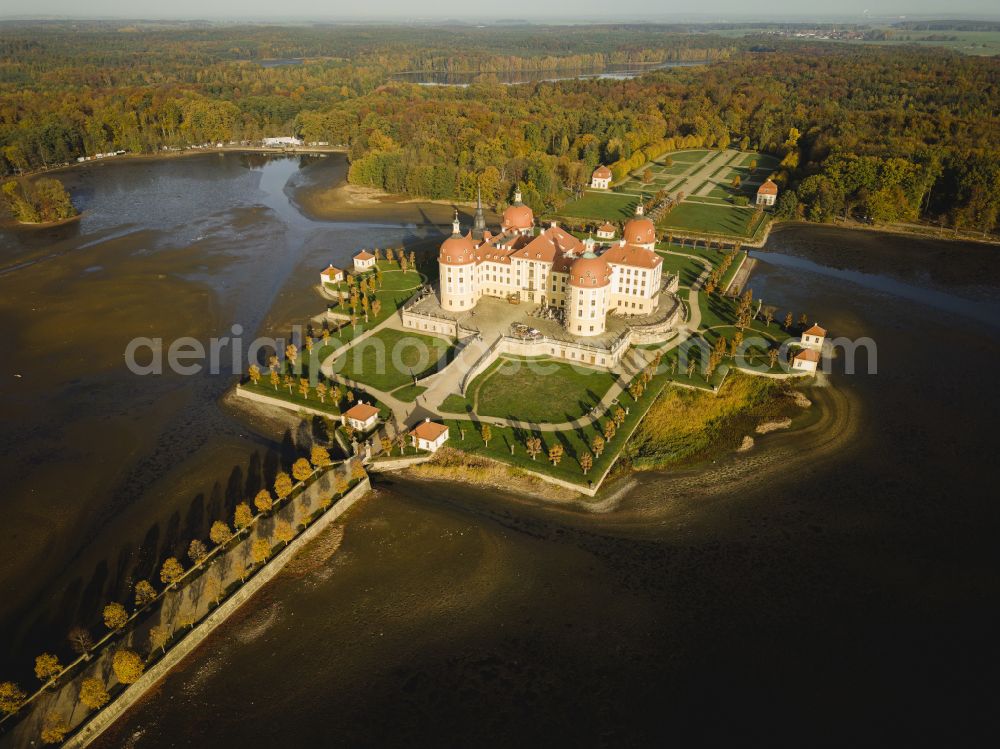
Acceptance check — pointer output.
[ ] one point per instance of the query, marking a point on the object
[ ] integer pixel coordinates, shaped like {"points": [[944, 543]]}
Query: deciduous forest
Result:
{"points": [[883, 134]]}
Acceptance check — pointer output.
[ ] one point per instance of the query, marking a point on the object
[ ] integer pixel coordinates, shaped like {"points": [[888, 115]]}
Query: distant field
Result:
{"points": [[601, 205]]}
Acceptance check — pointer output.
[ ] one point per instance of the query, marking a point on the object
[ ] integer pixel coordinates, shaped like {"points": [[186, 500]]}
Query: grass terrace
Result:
{"points": [[391, 358], [688, 268], [710, 219], [538, 390], [601, 205], [574, 442]]}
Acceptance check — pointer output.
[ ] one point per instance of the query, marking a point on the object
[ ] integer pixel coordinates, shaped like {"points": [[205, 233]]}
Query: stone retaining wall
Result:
{"points": [[282, 403]]}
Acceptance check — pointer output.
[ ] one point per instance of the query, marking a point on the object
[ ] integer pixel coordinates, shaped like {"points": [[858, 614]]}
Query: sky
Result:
{"points": [[567, 10]]}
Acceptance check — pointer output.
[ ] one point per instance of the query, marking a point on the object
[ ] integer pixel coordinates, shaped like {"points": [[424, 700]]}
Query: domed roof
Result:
{"points": [[458, 250], [518, 217], [589, 271], [639, 230]]}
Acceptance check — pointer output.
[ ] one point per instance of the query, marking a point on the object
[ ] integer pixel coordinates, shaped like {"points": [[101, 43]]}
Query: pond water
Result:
{"points": [[826, 585], [612, 72]]}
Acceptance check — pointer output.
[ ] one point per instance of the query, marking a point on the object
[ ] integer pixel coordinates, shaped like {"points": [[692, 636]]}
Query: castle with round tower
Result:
{"points": [[551, 267]]}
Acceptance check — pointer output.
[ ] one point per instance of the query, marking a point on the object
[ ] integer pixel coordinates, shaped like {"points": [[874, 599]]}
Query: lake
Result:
{"points": [[824, 586], [611, 72]]}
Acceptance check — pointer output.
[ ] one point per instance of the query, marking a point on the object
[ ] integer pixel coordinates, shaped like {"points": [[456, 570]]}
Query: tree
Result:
{"points": [[772, 355], [282, 485], [115, 616], [533, 446], [254, 372], [597, 445], [171, 572], [80, 640], [283, 531], [11, 697], [609, 431], [128, 666], [47, 667], [586, 462], [159, 636], [486, 434], [275, 380], [260, 550], [145, 593], [54, 728], [220, 533], [93, 693], [243, 515], [555, 454], [320, 457], [301, 470], [788, 321], [213, 588], [357, 470], [263, 501], [197, 551]]}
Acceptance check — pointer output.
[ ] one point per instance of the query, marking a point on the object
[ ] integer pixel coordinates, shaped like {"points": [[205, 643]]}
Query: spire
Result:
{"points": [[638, 209], [455, 229], [479, 225], [517, 195]]}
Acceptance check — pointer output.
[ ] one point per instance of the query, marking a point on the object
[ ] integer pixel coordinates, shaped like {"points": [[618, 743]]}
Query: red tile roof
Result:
{"points": [[361, 412], [807, 355], [428, 430], [549, 245], [602, 172], [816, 330], [633, 255], [330, 270], [768, 188], [364, 255]]}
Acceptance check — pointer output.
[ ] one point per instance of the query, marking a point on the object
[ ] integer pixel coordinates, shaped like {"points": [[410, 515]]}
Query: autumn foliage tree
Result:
{"points": [[115, 616], [128, 666], [93, 693], [145, 593], [172, 571], [47, 667]]}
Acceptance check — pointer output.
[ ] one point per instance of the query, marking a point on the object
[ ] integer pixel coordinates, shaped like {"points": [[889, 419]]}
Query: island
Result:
{"points": [[536, 348]]}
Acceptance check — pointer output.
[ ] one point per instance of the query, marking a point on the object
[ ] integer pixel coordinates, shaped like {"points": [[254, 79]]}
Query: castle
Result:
{"points": [[552, 268]]}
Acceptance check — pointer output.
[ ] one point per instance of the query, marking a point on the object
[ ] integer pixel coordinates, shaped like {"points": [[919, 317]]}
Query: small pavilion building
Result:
{"points": [[363, 261], [601, 178], [806, 360], [814, 337], [429, 435], [330, 274], [361, 416], [767, 193]]}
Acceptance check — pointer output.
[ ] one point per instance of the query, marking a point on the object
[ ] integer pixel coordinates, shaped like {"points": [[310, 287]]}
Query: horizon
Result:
{"points": [[585, 12]]}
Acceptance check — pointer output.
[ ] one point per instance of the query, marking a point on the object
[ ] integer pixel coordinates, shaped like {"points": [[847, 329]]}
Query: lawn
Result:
{"points": [[391, 358], [538, 390], [409, 393], [710, 219], [688, 268], [601, 205], [397, 280], [574, 442]]}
